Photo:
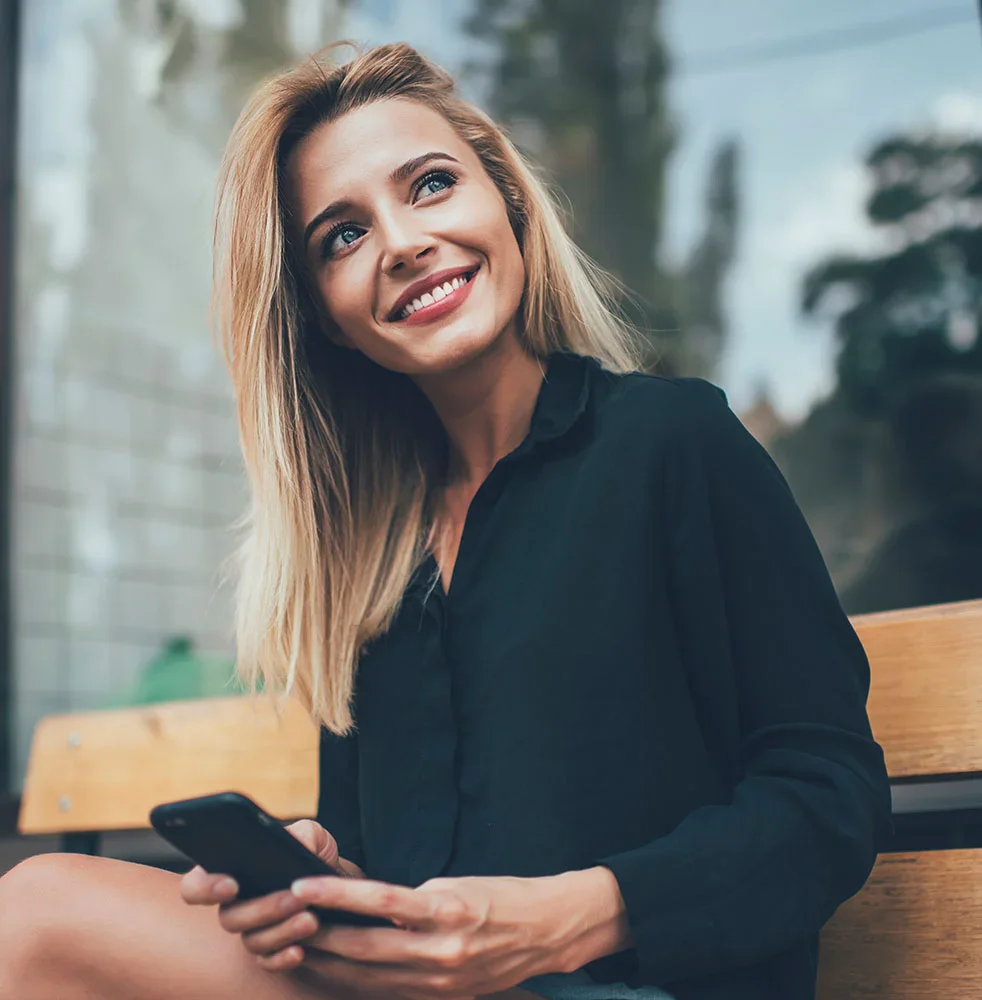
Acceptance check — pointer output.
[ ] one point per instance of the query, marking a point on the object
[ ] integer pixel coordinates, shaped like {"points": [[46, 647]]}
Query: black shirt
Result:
{"points": [[641, 663]]}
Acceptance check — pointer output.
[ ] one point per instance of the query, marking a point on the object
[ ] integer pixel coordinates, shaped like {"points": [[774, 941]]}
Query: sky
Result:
{"points": [[804, 123]]}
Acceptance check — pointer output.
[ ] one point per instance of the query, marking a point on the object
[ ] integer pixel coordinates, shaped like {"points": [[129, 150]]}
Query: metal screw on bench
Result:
{"points": [[74, 740]]}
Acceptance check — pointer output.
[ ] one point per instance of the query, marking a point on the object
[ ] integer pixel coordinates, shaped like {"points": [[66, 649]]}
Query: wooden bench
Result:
{"points": [[914, 932], [99, 771], [910, 934]]}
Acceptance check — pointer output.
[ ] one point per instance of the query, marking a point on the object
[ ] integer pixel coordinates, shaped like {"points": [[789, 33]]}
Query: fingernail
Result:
{"points": [[301, 887], [227, 887]]}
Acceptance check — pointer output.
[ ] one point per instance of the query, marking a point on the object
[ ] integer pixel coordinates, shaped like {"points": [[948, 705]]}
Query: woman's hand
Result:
{"points": [[456, 937], [317, 840], [275, 921]]}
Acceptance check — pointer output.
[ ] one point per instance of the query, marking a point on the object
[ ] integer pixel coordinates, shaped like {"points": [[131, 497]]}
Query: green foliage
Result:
{"points": [[913, 310]]}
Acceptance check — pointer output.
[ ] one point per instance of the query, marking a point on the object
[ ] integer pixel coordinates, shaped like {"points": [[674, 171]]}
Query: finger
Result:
{"points": [[264, 911], [361, 979], [282, 961], [422, 910], [268, 940], [316, 839], [381, 945], [201, 888], [307, 832]]}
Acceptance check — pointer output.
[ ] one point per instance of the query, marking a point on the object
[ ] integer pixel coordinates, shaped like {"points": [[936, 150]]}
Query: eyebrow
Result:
{"points": [[398, 176]]}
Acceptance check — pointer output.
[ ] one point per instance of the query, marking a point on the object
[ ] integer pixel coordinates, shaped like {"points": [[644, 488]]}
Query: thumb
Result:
{"points": [[316, 839]]}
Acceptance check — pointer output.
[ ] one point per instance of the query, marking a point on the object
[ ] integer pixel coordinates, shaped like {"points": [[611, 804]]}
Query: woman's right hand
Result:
{"points": [[268, 924]]}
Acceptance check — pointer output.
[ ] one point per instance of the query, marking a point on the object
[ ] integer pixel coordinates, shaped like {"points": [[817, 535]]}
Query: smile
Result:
{"points": [[436, 301]]}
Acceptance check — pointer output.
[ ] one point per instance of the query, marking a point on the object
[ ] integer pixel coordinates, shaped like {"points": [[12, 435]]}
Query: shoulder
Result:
{"points": [[661, 409], [680, 394], [682, 427]]}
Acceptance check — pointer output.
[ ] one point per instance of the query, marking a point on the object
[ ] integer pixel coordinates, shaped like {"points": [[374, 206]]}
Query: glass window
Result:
{"points": [[791, 192]]}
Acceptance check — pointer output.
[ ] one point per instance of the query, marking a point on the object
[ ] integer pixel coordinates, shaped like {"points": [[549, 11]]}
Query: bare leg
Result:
{"points": [[80, 928]]}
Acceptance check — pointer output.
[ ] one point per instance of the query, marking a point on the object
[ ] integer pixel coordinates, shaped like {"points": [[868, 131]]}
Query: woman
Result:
{"points": [[607, 735]]}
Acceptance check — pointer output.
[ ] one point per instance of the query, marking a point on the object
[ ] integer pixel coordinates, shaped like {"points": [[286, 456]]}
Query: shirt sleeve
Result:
{"points": [[338, 809], [757, 618]]}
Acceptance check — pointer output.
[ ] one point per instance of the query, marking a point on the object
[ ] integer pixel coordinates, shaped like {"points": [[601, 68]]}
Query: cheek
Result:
{"points": [[345, 297], [512, 265], [490, 222]]}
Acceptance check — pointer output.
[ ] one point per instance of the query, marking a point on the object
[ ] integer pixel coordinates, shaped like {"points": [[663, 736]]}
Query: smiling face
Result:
{"points": [[406, 237]]}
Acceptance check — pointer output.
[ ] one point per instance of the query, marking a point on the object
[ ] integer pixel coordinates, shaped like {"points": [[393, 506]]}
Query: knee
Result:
{"points": [[29, 908]]}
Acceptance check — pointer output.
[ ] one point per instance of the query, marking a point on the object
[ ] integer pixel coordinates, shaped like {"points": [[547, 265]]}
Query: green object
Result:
{"points": [[178, 673]]}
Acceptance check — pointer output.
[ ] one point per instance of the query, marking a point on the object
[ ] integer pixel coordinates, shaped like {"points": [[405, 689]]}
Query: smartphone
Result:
{"points": [[230, 834]]}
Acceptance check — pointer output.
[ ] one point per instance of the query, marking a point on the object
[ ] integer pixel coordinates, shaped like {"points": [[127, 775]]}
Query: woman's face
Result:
{"points": [[406, 237]]}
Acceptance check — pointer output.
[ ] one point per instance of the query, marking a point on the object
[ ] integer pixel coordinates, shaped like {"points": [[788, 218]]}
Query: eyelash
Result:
{"points": [[426, 178], [326, 252]]}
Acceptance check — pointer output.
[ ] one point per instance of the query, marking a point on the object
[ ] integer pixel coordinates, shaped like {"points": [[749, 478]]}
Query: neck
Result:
{"points": [[486, 407]]}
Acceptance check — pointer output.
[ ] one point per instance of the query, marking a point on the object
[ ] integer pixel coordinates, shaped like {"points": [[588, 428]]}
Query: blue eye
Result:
{"points": [[435, 182], [341, 236], [346, 234]]}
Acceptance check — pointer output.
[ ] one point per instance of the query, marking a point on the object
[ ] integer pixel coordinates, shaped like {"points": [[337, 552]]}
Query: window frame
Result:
{"points": [[10, 45]]}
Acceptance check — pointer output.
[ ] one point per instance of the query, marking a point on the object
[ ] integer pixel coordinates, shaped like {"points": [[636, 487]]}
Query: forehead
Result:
{"points": [[340, 158]]}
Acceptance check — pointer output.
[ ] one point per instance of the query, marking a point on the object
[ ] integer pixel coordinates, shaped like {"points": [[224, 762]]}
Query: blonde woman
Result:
{"points": [[593, 720]]}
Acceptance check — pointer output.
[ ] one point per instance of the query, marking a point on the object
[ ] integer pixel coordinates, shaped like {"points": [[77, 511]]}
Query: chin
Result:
{"points": [[450, 350]]}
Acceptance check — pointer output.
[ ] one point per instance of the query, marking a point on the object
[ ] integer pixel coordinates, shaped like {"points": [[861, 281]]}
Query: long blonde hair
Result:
{"points": [[344, 457]]}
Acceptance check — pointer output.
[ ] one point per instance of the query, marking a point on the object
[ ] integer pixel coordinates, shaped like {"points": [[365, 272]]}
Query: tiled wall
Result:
{"points": [[127, 475], [125, 489]]}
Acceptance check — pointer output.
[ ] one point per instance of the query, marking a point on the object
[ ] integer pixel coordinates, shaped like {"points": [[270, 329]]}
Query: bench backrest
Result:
{"points": [[106, 770], [925, 702], [913, 931]]}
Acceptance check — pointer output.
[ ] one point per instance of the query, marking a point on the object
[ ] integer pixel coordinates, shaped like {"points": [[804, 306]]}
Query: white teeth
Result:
{"points": [[434, 295]]}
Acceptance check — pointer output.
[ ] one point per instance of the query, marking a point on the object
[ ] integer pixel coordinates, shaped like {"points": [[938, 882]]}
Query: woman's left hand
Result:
{"points": [[455, 936]]}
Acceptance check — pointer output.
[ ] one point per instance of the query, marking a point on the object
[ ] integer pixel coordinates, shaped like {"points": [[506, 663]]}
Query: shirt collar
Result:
{"points": [[562, 399]]}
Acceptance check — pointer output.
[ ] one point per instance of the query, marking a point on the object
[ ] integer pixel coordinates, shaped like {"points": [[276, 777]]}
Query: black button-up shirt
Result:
{"points": [[641, 663]]}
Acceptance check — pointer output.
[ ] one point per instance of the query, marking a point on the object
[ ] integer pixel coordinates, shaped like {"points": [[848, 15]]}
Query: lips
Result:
{"points": [[428, 291]]}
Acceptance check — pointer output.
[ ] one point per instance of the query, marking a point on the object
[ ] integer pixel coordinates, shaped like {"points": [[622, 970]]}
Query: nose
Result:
{"points": [[403, 244]]}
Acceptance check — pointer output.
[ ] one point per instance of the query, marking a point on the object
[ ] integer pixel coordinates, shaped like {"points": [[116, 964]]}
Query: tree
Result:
{"points": [[699, 283], [888, 463], [582, 86], [912, 310]]}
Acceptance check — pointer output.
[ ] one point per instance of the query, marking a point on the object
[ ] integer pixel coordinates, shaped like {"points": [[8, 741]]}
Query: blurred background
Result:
{"points": [[792, 191]]}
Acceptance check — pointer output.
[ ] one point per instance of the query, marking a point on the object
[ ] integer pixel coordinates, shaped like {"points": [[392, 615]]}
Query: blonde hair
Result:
{"points": [[343, 457]]}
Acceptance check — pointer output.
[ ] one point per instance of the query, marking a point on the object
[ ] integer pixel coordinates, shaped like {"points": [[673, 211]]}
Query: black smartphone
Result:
{"points": [[230, 834]]}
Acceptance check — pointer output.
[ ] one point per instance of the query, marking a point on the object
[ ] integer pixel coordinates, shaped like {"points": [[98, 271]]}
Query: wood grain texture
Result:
{"points": [[912, 933], [106, 770], [925, 701]]}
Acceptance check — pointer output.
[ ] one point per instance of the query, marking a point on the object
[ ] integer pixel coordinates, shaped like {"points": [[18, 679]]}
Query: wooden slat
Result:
{"points": [[925, 702], [910, 934], [106, 770]]}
